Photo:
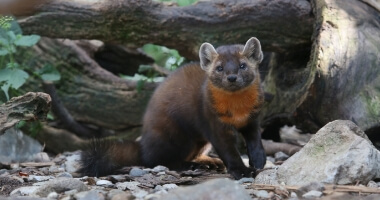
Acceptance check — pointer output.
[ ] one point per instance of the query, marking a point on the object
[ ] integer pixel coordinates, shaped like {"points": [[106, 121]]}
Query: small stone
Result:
{"points": [[71, 192], [52, 195], [118, 178], [3, 171], [312, 194], [159, 168], [139, 193], [293, 195], [104, 183], [261, 193], [280, 156], [271, 159], [60, 185], [245, 180], [133, 185], [41, 157], [56, 169], [169, 186], [317, 186], [122, 196], [39, 178], [91, 195], [161, 173], [372, 184], [158, 188], [24, 191], [65, 174], [135, 172], [72, 164]]}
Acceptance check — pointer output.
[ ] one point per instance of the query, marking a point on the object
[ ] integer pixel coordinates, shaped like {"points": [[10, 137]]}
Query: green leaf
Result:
{"points": [[12, 77], [11, 35], [27, 40], [3, 52], [49, 73], [144, 68]]}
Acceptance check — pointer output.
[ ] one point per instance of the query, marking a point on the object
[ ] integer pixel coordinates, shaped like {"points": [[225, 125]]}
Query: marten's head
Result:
{"points": [[232, 67]]}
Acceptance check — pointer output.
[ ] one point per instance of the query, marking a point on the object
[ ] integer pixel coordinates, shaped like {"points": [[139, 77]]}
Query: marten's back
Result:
{"points": [[177, 101]]}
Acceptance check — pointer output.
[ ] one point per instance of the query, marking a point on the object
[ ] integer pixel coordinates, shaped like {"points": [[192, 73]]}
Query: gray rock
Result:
{"points": [[271, 159], [17, 147], [39, 178], [56, 169], [104, 183], [280, 156], [221, 189], [52, 195], [133, 185], [312, 194], [372, 184], [159, 168], [122, 196], [24, 191], [90, 195], [41, 157], [65, 174], [72, 162], [114, 192], [261, 194], [71, 192], [316, 186], [60, 185], [339, 153], [267, 177], [135, 172], [169, 186], [246, 180]]}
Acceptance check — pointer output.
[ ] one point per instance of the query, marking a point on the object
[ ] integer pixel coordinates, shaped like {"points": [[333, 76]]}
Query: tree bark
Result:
{"points": [[279, 24], [31, 106], [344, 62]]}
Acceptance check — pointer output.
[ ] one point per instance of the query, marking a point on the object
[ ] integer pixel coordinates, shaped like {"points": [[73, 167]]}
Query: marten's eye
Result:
{"points": [[219, 68], [243, 66]]}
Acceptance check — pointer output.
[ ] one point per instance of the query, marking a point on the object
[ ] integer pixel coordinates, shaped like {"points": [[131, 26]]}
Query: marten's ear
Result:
{"points": [[207, 54], [252, 50]]}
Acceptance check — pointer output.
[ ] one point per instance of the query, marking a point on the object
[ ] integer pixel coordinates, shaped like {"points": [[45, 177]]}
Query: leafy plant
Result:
{"points": [[163, 57], [12, 73]]}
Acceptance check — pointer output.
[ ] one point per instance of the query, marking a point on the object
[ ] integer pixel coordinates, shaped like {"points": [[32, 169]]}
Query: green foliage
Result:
{"points": [[163, 57], [180, 2], [13, 74]]}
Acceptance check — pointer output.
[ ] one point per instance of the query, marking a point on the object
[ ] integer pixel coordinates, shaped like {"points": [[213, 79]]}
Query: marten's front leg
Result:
{"points": [[223, 139], [255, 150]]}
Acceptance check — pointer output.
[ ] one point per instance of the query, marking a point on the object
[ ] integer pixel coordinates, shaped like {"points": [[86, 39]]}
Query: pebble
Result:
{"points": [[280, 156], [39, 178], [133, 185], [312, 194], [65, 174], [169, 186], [246, 180], [104, 183], [159, 168], [52, 195], [137, 172], [372, 184], [261, 193]]}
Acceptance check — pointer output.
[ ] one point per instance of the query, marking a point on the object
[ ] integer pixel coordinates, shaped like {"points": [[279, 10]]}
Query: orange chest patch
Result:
{"points": [[235, 108]]}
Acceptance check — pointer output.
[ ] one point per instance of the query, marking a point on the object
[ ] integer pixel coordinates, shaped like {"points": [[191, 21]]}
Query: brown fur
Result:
{"points": [[235, 108]]}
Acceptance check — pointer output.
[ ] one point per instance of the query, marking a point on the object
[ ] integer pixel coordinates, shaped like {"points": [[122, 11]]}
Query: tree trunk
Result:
{"points": [[31, 106], [279, 24], [344, 62]]}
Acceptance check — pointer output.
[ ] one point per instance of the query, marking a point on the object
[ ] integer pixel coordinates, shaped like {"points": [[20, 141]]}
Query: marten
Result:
{"points": [[197, 105]]}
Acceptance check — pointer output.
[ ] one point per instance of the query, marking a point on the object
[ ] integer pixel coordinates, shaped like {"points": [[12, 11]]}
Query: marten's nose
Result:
{"points": [[231, 78]]}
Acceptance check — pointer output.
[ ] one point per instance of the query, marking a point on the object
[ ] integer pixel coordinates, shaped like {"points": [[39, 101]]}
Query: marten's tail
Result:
{"points": [[104, 157]]}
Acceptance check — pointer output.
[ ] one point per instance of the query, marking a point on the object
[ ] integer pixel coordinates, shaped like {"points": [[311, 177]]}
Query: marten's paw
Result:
{"points": [[241, 172], [207, 162]]}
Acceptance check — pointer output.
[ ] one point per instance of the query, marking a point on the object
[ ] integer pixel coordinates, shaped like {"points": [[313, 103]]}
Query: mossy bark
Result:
{"points": [[280, 25]]}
